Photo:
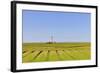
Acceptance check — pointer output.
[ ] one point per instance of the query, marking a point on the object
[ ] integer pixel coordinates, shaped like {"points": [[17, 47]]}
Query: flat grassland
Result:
{"points": [[42, 52]]}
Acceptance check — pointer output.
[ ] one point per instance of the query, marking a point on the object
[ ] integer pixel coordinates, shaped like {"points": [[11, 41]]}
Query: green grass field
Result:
{"points": [[42, 52]]}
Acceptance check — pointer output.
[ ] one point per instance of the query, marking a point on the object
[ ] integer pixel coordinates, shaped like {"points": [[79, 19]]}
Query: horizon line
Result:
{"points": [[58, 42]]}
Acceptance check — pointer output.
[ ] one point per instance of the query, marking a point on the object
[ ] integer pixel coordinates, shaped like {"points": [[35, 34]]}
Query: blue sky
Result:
{"points": [[39, 26]]}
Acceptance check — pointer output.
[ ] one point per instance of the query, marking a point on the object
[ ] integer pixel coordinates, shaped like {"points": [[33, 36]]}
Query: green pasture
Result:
{"points": [[42, 52]]}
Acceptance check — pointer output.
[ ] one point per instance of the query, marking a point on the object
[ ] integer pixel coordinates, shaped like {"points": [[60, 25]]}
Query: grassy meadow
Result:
{"points": [[42, 52]]}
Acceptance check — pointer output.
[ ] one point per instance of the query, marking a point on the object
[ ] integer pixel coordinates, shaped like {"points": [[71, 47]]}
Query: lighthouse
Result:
{"points": [[51, 40]]}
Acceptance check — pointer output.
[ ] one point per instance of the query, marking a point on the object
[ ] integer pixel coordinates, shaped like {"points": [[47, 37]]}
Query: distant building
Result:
{"points": [[51, 40]]}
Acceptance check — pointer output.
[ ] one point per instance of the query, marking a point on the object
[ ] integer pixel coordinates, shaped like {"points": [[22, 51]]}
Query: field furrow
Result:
{"points": [[42, 52]]}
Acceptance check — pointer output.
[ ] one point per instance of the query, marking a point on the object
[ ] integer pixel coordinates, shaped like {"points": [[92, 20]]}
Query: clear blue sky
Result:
{"points": [[39, 26]]}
